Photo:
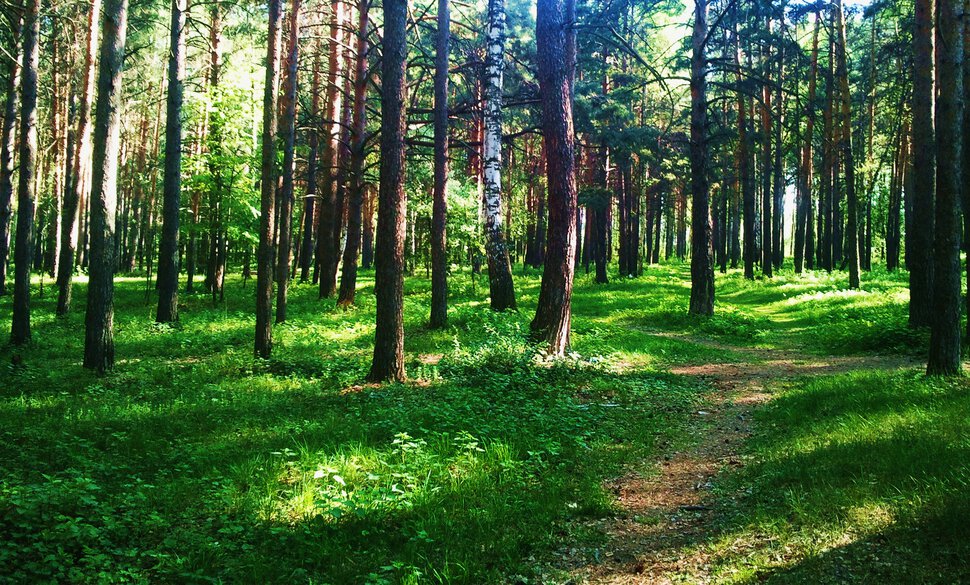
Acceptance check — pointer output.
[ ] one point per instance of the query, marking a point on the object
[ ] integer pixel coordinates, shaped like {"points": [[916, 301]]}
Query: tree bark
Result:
{"points": [[358, 154], [288, 132], [99, 320], [388, 361], [556, 65], [168, 255], [920, 236], [944, 358], [216, 264], [265, 254], [27, 183], [767, 256], [845, 146], [326, 251], [7, 148], [439, 213], [803, 208], [702, 261], [496, 246], [778, 172], [309, 205]]}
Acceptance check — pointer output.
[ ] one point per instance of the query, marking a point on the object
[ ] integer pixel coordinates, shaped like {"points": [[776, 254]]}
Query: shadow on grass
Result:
{"points": [[859, 478]]}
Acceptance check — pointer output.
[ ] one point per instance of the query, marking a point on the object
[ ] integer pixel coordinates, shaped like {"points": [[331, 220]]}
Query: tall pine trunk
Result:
{"points": [[168, 255], [99, 320], [27, 184], [803, 208], [388, 362], [326, 249], [920, 235], [309, 205], [944, 358], [265, 256], [845, 149], [358, 154], [7, 147], [288, 132], [439, 212], [556, 66], [702, 260]]}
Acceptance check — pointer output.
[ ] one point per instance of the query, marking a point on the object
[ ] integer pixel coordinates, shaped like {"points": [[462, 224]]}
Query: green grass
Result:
{"points": [[855, 478], [193, 462]]}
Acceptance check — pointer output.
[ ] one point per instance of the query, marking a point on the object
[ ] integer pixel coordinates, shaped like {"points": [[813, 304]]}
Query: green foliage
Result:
{"points": [[194, 463]]}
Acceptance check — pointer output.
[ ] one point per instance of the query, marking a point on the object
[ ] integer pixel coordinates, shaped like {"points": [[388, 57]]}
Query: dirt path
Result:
{"points": [[665, 515]]}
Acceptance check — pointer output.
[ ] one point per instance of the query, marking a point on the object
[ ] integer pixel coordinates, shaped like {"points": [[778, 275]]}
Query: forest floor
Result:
{"points": [[791, 438], [663, 516]]}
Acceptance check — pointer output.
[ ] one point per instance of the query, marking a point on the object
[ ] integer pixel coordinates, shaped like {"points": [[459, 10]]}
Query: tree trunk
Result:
{"points": [[358, 154], [778, 172], [367, 246], [326, 251], [766, 194], [216, 264], [556, 53], [496, 247], [27, 184], [7, 147], [747, 188], [944, 358], [168, 255], [288, 132], [439, 214], [309, 205], [803, 208], [265, 254], [845, 146], [920, 236], [388, 362], [99, 321], [701, 261], [827, 187]]}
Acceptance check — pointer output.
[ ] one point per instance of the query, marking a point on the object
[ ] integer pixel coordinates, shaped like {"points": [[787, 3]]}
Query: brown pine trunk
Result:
{"points": [[326, 249], [920, 234], [803, 209], [216, 262], [358, 154], [556, 53], [767, 132], [701, 261], [99, 320], [168, 256], [778, 168], [367, 246], [265, 255], [944, 357], [309, 205], [288, 132], [845, 147], [388, 362], [27, 184], [7, 147], [439, 212]]}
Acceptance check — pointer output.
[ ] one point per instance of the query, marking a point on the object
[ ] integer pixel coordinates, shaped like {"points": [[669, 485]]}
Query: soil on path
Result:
{"points": [[665, 515]]}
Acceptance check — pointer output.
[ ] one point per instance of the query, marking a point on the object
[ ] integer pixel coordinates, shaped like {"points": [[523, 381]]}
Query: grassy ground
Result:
{"points": [[194, 463]]}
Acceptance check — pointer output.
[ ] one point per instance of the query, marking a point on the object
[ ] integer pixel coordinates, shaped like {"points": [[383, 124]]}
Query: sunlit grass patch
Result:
{"points": [[851, 469]]}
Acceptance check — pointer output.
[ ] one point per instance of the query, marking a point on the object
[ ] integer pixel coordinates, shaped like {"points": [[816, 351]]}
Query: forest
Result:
{"points": [[494, 291]]}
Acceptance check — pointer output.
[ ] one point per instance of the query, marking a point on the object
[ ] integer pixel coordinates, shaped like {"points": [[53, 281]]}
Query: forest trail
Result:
{"points": [[666, 518]]}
